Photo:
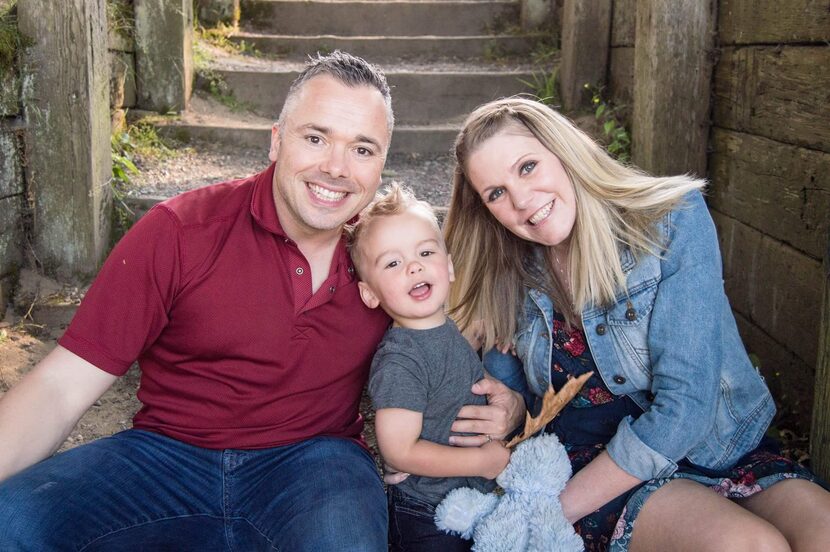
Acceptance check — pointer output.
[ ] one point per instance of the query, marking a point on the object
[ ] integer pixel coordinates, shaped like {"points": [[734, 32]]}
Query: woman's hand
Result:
{"points": [[504, 411]]}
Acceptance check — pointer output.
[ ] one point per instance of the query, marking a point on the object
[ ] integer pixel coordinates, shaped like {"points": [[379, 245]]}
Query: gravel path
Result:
{"points": [[199, 164]]}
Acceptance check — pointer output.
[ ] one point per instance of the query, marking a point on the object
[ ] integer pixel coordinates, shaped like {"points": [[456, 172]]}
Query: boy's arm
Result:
{"points": [[398, 433]]}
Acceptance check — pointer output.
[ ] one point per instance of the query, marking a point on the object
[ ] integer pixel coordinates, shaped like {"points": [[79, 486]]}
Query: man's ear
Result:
{"points": [[275, 142], [368, 296], [450, 267]]}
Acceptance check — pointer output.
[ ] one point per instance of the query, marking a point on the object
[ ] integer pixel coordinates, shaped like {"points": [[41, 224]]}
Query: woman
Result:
{"points": [[578, 263]]}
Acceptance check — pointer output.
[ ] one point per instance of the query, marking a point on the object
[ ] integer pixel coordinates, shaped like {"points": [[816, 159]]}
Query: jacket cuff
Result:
{"points": [[637, 458]]}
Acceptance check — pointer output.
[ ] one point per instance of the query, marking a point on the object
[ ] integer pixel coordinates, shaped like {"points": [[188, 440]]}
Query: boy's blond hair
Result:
{"points": [[394, 200]]}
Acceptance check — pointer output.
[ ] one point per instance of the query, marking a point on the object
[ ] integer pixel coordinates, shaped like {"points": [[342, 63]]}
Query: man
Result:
{"points": [[240, 304]]}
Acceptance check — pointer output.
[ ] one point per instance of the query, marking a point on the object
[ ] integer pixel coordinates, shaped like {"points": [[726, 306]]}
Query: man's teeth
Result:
{"points": [[326, 194], [541, 214]]}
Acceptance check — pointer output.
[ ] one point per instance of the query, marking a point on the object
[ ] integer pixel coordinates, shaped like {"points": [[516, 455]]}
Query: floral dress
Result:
{"points": [[589, 422]]}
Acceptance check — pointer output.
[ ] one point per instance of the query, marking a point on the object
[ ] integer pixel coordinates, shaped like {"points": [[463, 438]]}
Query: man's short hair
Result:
{"points": [[394, 200], [347, 69]]}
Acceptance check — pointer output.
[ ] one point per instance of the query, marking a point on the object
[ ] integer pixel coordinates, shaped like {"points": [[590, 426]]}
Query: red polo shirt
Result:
{"points": [[215, 303]]}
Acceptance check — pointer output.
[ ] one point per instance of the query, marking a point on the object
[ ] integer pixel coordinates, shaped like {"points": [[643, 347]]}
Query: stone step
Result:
{"points": [[389, 47], [379, 18], [420, 95], [413, 139]]}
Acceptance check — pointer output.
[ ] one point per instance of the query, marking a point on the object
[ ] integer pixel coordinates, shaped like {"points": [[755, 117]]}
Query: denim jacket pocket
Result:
{"points": [[629, 321]]}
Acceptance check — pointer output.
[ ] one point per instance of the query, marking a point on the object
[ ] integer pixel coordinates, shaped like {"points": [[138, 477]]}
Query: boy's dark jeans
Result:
{"points": [[412, 527]]}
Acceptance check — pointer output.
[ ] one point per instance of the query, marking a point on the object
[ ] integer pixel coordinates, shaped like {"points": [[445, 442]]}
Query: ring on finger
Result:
{"points": [[489, 439]]}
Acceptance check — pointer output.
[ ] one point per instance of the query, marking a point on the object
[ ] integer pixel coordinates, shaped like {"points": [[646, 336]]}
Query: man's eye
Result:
{"points": [[314, 139], [393, 264], [527, 167], [495, 194], [363, 152]]}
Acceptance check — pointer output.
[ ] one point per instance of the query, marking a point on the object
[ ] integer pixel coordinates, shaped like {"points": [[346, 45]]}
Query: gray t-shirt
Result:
{"points": [[428, 371]]}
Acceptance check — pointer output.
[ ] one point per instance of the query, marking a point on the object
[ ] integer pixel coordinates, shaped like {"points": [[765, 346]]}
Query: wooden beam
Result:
{"points": [[586, 36], [672, 76], [164, 54], [68, 160], [820, 432]]}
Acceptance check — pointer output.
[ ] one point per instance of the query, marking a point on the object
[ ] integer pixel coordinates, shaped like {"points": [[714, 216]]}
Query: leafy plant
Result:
{"points": [[121, 17], [220, 37], [616, 136], [544, 86], [11, 41]]}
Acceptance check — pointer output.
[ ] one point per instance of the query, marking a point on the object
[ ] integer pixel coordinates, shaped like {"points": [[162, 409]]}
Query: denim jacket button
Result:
{"points": [[601, 329], [631, 314], [650, 396], [619, 380]]}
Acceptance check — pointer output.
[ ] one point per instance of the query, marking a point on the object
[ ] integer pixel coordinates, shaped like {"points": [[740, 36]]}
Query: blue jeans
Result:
{"points": [[412, 527], [138, 490]]}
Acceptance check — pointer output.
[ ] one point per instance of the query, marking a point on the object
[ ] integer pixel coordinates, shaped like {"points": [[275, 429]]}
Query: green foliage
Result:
{"points": [[121, 17], [616, 137], [122, 150], [220, 37], [11, 41], [544, 86], [544, 51], [138, 140]]}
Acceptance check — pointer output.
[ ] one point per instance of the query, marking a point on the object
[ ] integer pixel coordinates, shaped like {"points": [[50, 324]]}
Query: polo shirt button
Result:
{"points": [[601, 329], [619, 380], [299, 271], [351, 270], [331, 289]]}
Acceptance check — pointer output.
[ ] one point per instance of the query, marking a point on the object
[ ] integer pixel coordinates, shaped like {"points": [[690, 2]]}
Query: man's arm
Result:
{"points": [[38, 413], [398, 432], [503, 413]]}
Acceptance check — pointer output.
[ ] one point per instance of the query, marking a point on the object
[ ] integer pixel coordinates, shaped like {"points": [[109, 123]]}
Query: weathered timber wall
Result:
{"points": [[121, 51], [12, 184], [621, 56], [769, 166]]}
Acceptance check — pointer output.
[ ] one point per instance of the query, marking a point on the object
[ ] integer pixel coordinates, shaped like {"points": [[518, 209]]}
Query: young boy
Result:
{"points": [[423, 369]]}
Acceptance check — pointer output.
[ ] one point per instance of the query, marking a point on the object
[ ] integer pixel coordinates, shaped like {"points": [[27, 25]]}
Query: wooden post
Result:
{"points": [[164, 54], [66, 101], [672, 80], [820, 428], [586, 36]]}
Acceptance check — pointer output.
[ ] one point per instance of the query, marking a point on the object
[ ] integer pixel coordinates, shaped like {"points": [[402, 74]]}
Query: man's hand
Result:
{"points": [[504, 411]]}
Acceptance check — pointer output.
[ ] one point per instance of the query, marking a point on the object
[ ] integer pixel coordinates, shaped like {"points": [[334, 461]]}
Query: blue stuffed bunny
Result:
{"points": [[528, 517]]}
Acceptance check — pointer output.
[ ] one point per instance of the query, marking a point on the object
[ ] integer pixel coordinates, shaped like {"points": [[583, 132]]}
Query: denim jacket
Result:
{"points": [[671, 344]]}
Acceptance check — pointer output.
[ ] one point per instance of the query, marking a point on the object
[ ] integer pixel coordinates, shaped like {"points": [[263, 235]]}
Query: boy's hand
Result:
{"points": [[504, 412], [391, 476], [496, 457]]}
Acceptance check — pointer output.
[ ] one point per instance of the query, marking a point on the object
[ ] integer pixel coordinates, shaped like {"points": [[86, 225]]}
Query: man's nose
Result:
{"points": [[335, 163]]}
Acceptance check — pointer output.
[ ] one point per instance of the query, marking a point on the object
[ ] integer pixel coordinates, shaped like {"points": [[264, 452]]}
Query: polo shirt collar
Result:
{"points": [[264, 212]]}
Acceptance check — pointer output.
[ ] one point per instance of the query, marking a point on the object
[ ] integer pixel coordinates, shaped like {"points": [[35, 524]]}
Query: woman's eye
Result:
{"points": [[495, 194], [527, 167]]}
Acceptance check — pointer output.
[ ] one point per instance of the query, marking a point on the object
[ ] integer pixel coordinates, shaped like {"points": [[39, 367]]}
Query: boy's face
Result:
{"points": [[405, 269]]}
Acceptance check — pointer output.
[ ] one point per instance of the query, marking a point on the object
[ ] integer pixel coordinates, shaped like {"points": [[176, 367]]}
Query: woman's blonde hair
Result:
{"points": [[616, 205]]}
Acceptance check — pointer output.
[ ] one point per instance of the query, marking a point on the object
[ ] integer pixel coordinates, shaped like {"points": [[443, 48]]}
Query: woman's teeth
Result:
{"points": [[541, 214]]}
